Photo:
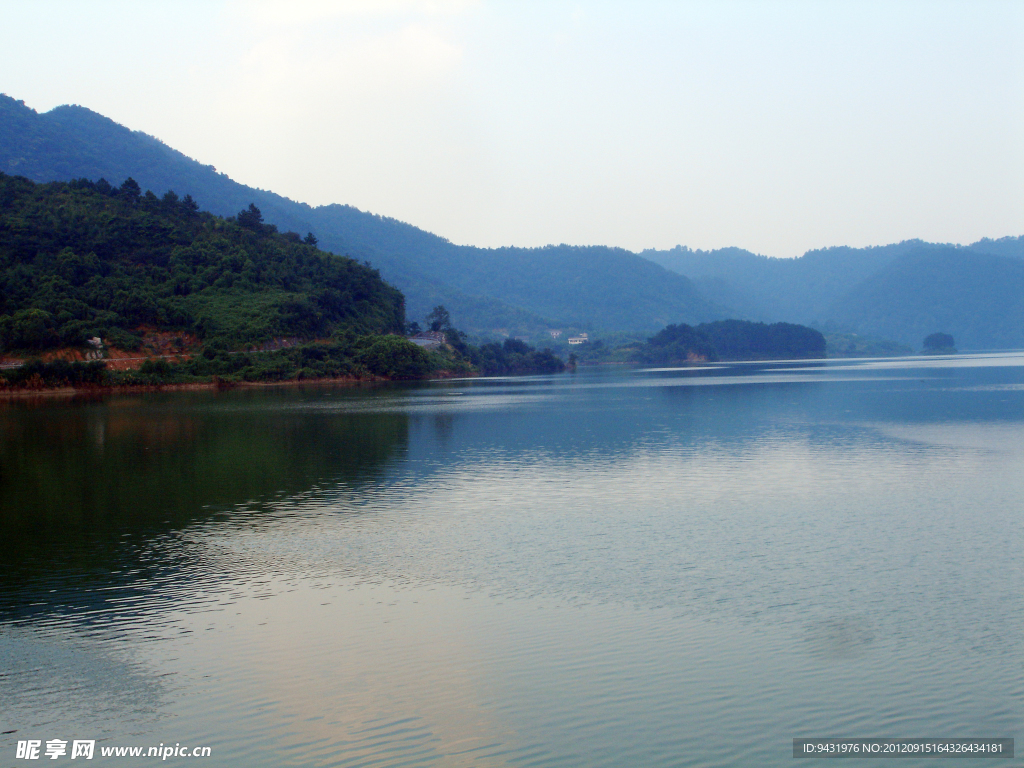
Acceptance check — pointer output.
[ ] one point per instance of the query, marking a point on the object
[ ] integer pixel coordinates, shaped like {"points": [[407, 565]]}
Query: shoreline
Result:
{"points": [[17, 393], [14, 393]]}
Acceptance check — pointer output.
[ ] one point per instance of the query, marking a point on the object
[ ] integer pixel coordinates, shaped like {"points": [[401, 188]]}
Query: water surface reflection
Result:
{"points": [[603, 569]]}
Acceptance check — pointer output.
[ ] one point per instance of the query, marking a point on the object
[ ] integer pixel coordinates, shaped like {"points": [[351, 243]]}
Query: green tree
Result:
{"points": [[130, 190], [250, 218], [28, 329], [394, 357], [439, 319]]}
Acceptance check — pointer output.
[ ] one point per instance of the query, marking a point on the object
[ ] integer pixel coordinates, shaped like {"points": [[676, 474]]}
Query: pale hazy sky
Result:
{"points": [[773, 126]]}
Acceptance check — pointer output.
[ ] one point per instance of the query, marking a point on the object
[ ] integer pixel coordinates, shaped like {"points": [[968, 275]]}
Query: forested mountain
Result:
{"points": [[84, 259], [902, 291], [587, 287], [519, 290], [765, 288], [977, 297]]}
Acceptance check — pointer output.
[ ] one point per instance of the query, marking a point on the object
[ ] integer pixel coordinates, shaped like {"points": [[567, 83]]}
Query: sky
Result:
{"points": [[773, 126]]}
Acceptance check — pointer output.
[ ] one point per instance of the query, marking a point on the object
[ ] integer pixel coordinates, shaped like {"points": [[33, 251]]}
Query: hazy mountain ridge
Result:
{"points": [[976, 296], [73, 142], [551, 286], [530, 288], [871, 290]]}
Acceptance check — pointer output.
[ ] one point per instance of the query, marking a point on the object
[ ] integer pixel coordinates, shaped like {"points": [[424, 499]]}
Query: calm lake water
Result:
{"points": [[611, 568]]}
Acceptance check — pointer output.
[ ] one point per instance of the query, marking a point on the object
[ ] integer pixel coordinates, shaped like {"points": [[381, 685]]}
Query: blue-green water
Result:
{"points": [[612, 568]]}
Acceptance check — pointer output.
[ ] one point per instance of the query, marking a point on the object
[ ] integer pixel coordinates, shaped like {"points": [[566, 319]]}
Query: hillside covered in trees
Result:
{"points": [[731, 340], [81, 260], [88, 267]]}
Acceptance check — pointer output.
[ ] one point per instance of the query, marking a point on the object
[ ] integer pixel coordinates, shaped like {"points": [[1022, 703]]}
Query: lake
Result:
{"points": [[617, 567]]}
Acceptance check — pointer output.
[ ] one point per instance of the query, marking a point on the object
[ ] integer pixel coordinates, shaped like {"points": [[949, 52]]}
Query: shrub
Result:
{"points": [[394, 357]]}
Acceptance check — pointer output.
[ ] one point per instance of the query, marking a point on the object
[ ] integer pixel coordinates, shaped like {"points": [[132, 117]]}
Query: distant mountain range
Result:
{"points": [[898, 292], [902, 292]]}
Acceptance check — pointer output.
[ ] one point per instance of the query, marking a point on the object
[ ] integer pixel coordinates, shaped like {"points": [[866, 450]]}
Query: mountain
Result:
{"points": [[515, 289], [767, 289], [901, 291], [975, 296]]}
